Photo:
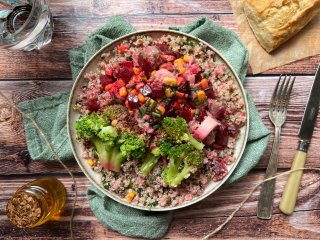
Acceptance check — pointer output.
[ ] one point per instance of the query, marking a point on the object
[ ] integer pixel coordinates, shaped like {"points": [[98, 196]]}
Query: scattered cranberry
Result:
{"points": [[233, 130], [133, 101], [219, 168], [145, 90], [185, 112]]}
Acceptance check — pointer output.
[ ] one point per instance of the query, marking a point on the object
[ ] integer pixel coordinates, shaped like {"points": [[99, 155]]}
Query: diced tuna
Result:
{"points": [[205, 128]]}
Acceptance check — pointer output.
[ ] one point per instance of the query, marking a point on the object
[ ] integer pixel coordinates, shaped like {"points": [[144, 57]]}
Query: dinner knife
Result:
{"points": [[289, 196]]}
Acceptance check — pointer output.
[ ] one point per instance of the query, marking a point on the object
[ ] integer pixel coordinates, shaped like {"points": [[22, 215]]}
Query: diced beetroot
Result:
{"points": [[219, 168], [210, 139], [105, 80], [157, 89], [198, 77], [222, 136], [194, 68], [125, 71], [216, 109], [92, 105], [145, 90], [149, 59], [167, 58], [205, 128], [210, 93], [185, 112], [202, 113]]}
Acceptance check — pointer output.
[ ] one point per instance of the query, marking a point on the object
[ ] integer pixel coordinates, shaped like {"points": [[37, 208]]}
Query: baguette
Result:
{"points": [[275, 21]]}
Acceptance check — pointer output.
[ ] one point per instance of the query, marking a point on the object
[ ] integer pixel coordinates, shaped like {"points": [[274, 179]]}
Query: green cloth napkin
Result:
{"points": [[50, 113]]}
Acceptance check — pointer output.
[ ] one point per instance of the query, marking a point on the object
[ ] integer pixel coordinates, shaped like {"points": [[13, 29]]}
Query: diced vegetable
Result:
{"points": [[170, 81], [205, 128], [201, 95], [123, 92]]}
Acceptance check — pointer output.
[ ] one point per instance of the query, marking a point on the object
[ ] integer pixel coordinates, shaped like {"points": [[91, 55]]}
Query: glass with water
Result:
{"points": [[25, 24]]}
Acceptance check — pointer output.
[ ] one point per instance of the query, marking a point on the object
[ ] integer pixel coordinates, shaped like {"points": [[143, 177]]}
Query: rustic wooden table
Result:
{"points": [[28, 75]]}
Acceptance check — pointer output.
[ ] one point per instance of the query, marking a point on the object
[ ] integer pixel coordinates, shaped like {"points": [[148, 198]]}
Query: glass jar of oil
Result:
{"points": [[37, 202]]}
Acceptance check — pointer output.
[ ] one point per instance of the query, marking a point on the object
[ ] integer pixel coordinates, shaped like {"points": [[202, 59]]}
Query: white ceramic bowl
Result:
{"points": [[94, 177]]}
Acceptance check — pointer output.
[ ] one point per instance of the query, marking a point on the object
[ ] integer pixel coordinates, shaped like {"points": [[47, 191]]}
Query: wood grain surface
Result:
{"points": [[29, 75]]}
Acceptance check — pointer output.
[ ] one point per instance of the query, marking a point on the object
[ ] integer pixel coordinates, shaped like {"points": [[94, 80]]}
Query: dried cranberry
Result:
{"points": [[92, 105], [145, 90], [105, 80], [133, 101], [185, 112], [219, 168], [233, 130]]}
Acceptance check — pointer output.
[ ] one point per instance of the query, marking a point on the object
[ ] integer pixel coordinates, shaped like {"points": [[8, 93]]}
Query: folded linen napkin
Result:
{"points": [[50, 113]]}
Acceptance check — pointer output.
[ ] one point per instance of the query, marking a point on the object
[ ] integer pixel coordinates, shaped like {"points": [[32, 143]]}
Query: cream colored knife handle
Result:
{"points": [[289, 197]]}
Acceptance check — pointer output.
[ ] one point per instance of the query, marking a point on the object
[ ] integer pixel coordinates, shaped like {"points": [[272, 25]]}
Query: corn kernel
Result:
{"points": [[114, 122], [141, 98], [130, 195], [182, 70], [201, 95], [186, 58], [168, 92], [161, 109], [136, 70], [178, 61], [123, 92], [90, 162], [204, 83], [153, 73], [170, 81]]}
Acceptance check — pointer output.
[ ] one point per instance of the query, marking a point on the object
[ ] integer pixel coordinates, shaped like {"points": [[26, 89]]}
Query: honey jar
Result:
{"points": [[37, 202]]}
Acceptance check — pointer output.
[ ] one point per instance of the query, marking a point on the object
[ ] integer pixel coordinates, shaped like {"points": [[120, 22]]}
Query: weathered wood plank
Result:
{"points": [[103, 8], [192, 222], [52, 62], [13, 151]]}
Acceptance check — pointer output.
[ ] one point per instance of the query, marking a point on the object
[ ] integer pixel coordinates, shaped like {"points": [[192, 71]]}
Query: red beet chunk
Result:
{"points": [[202, 113], [185, 112], [157, 89], [125, 71], [92, 105], [105, 80], [222, 136], [210, 93]]}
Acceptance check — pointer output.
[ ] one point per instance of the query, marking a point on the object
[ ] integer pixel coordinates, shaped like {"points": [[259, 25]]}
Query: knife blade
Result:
{"points": [[289, 196]]}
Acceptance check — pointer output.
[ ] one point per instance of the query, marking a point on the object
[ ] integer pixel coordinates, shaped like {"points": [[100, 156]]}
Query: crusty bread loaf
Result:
{"points": [[275, 21]]}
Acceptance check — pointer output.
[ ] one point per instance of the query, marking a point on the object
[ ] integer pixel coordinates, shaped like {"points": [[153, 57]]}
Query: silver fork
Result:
{"points": [[277, 115]]}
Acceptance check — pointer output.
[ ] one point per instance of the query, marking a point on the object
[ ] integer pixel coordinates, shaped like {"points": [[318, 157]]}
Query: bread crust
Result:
{"points": [[275, 21]]}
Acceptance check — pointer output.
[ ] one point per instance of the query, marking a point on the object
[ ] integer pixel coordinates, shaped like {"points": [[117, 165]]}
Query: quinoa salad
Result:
{"points": [[159, 119]]}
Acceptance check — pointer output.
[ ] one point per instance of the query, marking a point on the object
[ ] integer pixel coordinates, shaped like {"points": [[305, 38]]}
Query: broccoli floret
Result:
{"points": [[132, 145], [118, 112], [152, 157], [184, 160], [150, 161], [109, 135], [176, 129], [88, 126], [93, 128]]}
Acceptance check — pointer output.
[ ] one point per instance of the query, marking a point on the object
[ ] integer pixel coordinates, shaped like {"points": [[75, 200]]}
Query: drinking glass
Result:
{"points": [[25, 24]]}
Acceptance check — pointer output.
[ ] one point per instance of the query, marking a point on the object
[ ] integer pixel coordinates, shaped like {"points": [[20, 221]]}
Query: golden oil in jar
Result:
{"points": [[37, 202]]}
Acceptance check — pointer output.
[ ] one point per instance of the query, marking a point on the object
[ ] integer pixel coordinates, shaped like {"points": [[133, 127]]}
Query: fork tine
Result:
{"points": [[284, 93], [289, 91], [274, 94], [279, 95]]}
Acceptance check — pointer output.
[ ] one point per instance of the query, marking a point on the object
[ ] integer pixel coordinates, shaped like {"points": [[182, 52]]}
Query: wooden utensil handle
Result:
{"points": [[289, 197]]}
